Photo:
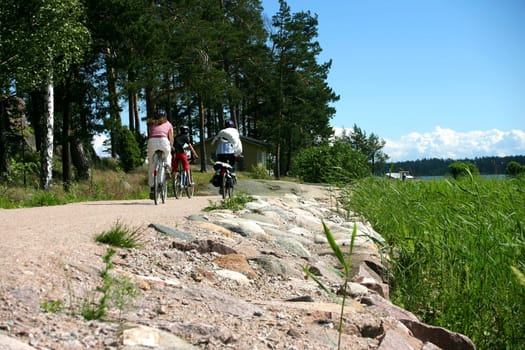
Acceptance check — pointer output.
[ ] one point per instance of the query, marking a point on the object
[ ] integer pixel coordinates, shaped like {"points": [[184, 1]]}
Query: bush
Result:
{"points": [[259, 172], [515, 169], [334, 164], [128, 150], [460, 169]]}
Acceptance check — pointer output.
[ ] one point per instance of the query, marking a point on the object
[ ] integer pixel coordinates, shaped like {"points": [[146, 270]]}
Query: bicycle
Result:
{"points": [[181, 182], [227, 180], [160, 184]]}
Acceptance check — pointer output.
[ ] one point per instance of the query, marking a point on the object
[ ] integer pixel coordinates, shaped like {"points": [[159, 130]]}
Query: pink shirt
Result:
{"points": [[160, 130]]}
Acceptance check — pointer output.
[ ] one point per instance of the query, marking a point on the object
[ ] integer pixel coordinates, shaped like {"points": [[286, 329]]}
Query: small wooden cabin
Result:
{"points": [[255, 153]]}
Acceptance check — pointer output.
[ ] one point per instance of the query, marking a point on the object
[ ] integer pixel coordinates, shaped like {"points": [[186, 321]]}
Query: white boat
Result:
{"points": [[400, 175]]}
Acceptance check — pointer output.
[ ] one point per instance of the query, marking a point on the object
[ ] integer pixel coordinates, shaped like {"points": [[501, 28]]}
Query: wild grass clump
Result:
{"points": [[235, 203], [121, 235], [457, 249]]}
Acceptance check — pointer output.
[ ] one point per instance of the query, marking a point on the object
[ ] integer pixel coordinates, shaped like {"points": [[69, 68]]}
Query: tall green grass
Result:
{"points": [[455, 247]]}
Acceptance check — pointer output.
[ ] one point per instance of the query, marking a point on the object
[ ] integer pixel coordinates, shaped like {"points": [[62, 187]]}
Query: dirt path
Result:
{"points": [[36, 243]]}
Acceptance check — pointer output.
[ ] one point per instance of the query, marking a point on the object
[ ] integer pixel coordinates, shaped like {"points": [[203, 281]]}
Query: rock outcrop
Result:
{"points": [[236, 280]]}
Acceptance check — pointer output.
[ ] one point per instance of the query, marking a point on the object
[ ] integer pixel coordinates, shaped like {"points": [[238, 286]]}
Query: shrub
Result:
{"points": [[338, 163], [259, 172], [128, 149], [461, 169], [515, 169]]}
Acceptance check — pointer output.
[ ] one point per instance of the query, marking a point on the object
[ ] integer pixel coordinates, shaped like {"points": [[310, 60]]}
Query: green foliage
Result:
{"points": [[44, 198], [128, 149], [114, 291], [120, 235], [330, 164], [235, 203], [370, 146], [461, 169], [297, 98], [452, 243], [345, 275], [439, 167], [519, 275], [51, 306], [515, 169], [40, 40], [21, 172], [259, 172]]}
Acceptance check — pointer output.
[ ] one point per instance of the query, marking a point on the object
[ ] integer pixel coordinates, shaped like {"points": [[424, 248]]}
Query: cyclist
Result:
{"points": [[181, 140], [230, 146], [160, 137]]}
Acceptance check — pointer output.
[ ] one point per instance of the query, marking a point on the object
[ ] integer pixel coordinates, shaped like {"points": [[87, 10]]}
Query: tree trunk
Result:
{"points": [[80, 159], [201, 131], [278, 161], [47, 139], [131, 110], [66, 143], [114, 108], [136, 114], [4, 163], [150, 102]]}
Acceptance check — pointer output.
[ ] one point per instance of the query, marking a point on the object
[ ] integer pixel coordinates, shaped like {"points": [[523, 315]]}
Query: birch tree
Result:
{"points": [[44, 38]]}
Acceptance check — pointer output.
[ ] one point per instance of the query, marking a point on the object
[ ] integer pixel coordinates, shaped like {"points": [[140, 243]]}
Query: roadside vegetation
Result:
{"points": [[456, 246], [235, 203], [122, 235], [107, 182], [115, 291], [457, 249]]}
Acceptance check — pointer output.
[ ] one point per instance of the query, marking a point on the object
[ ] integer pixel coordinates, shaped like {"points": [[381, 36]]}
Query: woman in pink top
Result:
{"points": [[160, 133]]}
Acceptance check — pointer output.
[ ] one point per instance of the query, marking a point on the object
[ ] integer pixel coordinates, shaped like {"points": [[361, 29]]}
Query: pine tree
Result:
{"points": [[302, 98]]}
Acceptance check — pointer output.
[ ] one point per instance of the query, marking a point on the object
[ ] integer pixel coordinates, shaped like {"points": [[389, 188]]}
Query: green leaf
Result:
{"points": [[335, 248], [321, 285]]}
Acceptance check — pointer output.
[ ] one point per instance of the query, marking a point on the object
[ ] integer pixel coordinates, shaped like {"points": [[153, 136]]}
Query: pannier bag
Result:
{"points": [[216, 179]]}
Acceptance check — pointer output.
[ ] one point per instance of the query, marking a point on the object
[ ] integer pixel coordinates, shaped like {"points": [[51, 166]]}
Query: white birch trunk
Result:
{"points": [[47, 139]]}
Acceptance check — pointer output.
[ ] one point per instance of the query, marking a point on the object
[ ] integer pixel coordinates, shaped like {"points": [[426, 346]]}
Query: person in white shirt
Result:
{"points": [[229, 146]]}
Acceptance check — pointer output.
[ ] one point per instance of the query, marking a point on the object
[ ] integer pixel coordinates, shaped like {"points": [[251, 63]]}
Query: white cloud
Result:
{"points": [[446, 143], [98, 144]]}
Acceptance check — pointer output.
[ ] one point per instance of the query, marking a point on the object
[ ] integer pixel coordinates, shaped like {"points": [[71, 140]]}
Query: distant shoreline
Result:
{"points": [[439, 177]]}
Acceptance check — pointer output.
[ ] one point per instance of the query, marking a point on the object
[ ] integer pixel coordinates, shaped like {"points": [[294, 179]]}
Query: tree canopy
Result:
{"points": [[202, 62]]}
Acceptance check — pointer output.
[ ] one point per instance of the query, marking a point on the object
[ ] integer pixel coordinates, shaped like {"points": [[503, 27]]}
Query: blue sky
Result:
{"points": [[433, 78]]}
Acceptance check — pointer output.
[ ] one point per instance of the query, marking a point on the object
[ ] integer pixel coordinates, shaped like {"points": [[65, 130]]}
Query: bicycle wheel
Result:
{"points": [[156, 182], [177, 185], [190, 189], [163, 183]]}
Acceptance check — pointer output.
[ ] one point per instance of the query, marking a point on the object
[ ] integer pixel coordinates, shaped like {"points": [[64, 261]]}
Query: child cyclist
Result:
{"points": [[181, 140]]}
